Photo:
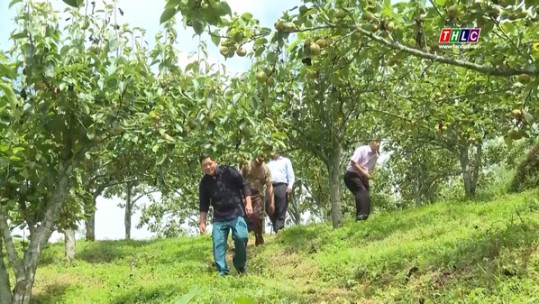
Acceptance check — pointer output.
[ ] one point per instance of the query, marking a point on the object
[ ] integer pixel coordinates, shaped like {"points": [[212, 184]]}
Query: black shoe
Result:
{"points": [[361, 217], [242, 271]]}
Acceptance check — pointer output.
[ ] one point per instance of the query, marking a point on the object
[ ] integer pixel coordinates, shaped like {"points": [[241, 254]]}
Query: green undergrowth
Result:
{"points": [[451, 252]]}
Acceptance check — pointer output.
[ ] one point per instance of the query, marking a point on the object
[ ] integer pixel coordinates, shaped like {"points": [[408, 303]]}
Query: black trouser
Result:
{"points": [[359, 185], [281, 206]]}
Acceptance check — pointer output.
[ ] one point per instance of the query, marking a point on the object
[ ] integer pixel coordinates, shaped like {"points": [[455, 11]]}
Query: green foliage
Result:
{"points": [[526, 176], [443, 253]]}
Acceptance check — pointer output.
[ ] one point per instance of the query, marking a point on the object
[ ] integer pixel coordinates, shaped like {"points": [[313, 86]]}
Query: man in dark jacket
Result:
{"points": [[224, 189]]}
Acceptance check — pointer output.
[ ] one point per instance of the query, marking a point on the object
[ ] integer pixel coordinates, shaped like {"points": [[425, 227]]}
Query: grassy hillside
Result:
{"points": [[451, 252]]}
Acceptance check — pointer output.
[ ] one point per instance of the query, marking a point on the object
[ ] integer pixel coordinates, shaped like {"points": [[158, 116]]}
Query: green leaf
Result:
{"points": [[17, 150], [198, 26], [91, 132], [172, 3], [161, 159], [74, 3], [262, 42], [14, 158], [272, 57], [236, 98], [18, 35], [189, 66], [14, 2], [215, 38], [528, 117], [508, 27], [264, 31], [11, 97], [439, 2], [224, 9], [6, 71], [212, 17], [487, 28], [508, 141], [49, 70], [531, 3], [261, 50], [167, 15], [247, 17]]}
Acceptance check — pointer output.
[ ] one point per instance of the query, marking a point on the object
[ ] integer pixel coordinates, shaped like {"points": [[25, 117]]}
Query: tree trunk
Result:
{"points": [[325, 213], [128, 212], [470, 172], [5, 292], [477, 166], [334, 171], [13, 257], [89, 209], [22, 292], [69, 240], [466, 177], [294, 210], [418, 187]]}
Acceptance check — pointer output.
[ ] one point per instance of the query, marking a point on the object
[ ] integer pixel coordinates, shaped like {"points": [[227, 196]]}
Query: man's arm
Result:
{"points": [[291, 178], [269, 190], [361, 169], [202, 222], [243, 168], [203, 206], [244, 187]]}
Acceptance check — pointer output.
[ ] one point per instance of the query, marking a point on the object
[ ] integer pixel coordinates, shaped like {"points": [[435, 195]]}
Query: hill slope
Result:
{"points": [[445, 253]]}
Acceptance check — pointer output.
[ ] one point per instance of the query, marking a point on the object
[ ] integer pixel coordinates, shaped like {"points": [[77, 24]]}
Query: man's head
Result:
{"points": [[260, 159], [209, 166], [375, 144], [275, 153], [276, 150]]}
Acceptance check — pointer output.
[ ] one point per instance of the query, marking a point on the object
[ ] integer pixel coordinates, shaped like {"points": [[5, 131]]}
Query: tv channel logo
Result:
{"points": [[459, 35]]}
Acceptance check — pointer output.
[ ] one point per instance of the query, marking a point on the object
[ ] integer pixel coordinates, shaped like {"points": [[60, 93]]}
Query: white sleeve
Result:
{"points": [[290, 174]]}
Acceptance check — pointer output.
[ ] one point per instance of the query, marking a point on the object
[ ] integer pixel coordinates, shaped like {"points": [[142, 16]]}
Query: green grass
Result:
{"points": [[451, 252]]}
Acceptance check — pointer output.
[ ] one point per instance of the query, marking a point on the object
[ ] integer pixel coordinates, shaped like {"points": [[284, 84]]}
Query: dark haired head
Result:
{"points": [[203, 156]]}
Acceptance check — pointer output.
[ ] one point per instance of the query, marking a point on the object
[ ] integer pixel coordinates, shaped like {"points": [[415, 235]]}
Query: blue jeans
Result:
{"points": [[240, 236]]}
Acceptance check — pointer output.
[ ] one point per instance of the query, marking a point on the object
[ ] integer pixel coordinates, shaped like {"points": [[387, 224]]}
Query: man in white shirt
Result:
{"points": [[282, 175], [357, 176]]}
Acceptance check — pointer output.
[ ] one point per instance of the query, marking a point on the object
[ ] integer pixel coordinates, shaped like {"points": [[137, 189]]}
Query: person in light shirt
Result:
{"points": [[282, 175], [357, 176]]}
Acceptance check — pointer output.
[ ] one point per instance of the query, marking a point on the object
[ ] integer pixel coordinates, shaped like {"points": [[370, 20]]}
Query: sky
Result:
{"points": [[146, 14]]}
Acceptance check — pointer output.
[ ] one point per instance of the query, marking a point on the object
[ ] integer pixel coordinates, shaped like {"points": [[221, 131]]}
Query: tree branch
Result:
{"points": [[437, 10], [452, 61], [426, 55], [14, 259], [505, 35], [144, 194]]}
